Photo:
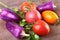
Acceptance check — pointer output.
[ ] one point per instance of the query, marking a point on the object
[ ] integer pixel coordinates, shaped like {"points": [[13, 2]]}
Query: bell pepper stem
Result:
{"points": [[0, 10], [54, 6], [24, 34]]}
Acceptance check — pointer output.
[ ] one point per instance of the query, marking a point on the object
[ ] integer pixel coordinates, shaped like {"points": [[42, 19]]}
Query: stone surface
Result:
{"points": [[6, 35]]}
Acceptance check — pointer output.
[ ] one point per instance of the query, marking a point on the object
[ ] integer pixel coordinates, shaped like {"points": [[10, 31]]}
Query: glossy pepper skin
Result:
{"points": [[46, 6], [15, 29], [9, 15]]}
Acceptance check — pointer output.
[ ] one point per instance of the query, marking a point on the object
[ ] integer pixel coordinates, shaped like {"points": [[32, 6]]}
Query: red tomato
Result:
{"points": [[41, 28], [32, 16], [26, 5]]}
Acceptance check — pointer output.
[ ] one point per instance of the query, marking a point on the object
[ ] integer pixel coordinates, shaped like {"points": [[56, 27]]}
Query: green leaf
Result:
{"points": [[27, 28], [23, 22], [28, 38], [18, 12], [21, 15], [34, 36], [15, 9]]}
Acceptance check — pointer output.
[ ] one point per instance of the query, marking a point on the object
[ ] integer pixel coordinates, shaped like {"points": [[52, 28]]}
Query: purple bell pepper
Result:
{"points": [[47, 6], [9, 15], [16, 30]]}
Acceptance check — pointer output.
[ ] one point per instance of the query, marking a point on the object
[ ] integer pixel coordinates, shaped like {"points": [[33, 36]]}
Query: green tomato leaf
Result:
{"points": [[18, 12], [23, 22], [21, 15], [34, 36], [27, 28], [15, 9], [28, 38], [37, 37]]}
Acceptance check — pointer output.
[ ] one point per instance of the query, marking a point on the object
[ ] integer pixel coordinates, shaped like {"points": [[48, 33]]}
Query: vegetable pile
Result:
{"points": [[30, 21]]}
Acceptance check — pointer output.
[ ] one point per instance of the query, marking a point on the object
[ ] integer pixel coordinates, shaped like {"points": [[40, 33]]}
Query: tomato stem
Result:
{"points": [[28, 9], [31, 1], [57, 22]]}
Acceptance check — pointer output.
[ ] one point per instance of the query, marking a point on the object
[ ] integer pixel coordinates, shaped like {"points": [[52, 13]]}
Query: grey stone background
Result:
{"points": [[6, 35]]}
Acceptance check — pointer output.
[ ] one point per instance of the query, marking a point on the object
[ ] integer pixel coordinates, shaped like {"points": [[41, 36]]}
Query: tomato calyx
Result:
{"points": [[27, 6], [57, 22]]}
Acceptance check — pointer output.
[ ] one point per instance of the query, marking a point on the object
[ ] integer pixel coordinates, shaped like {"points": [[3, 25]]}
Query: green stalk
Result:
{"points": [[3, 4], [57, 22]]}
